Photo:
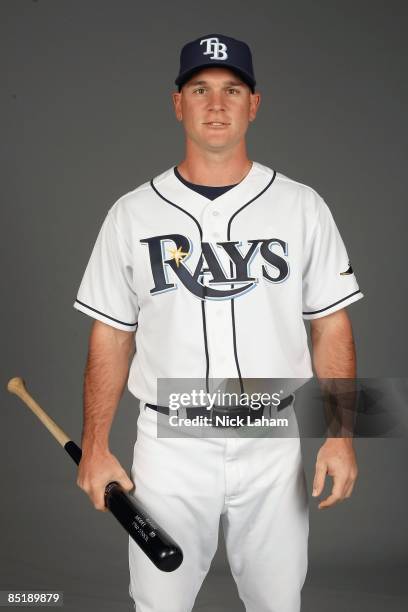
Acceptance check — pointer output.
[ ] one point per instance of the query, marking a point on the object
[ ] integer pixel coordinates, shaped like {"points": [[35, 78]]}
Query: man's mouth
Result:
{"points": [[216, 123]]}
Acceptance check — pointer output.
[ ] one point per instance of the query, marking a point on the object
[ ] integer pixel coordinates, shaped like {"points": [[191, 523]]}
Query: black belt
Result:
{"points": [[232, 411]]}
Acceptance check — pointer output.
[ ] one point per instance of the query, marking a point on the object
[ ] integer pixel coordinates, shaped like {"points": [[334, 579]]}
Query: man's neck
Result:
{"points": [[212, 172]]}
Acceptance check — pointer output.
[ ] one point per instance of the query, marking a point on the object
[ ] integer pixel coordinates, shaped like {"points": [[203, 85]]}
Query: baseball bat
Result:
{"points": [[155, 542]]}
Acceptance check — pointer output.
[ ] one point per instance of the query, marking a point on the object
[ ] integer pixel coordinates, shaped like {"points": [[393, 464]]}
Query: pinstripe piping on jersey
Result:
{"points": [[105, 315], [250, 202], [203, 301], [207, 359], [241, 384], [331, 305]]}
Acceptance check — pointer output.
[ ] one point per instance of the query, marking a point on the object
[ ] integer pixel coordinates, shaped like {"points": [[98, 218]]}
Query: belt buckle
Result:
{"points": [[257, 413]]}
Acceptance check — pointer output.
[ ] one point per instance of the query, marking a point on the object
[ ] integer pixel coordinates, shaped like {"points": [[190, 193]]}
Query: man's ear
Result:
{"points": [[255, 101], [176, 95]]}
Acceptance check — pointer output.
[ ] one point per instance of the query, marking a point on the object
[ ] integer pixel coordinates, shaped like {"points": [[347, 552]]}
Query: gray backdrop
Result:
{"points": [[86, 116]]}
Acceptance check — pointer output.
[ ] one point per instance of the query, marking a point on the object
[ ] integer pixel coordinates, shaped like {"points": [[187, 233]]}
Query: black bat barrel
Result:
{"points": [[161, 549]]}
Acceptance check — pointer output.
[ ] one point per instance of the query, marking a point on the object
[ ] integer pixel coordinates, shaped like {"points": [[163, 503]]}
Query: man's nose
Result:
{"points": [[216, 100]]}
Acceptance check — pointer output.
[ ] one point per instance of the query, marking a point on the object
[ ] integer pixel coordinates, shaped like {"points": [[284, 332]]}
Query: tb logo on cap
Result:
{"points": [[215, 47]]}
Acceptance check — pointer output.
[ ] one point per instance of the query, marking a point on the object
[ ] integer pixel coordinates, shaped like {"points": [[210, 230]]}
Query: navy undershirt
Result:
{"points": [[209, 192]]}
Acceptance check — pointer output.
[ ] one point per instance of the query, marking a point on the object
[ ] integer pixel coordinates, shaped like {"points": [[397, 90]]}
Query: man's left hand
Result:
{"points": [[337, 459]]}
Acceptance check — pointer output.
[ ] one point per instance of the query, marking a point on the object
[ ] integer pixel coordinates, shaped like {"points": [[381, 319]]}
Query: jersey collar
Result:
{"points": [[251, 186]]}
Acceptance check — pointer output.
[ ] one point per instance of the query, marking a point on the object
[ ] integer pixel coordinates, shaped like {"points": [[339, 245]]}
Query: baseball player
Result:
{"points": [[209, 271]]}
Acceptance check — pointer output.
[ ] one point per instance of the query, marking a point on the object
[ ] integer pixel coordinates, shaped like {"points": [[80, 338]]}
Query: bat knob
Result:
{"points": [[16, 385]]}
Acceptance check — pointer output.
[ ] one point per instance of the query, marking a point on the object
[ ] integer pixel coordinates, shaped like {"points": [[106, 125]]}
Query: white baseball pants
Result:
{"points": [[256, 485]]}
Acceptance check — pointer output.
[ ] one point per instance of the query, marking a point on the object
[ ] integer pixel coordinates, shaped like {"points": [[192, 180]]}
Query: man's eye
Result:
{"points": [[233, 90], [200, 89]]}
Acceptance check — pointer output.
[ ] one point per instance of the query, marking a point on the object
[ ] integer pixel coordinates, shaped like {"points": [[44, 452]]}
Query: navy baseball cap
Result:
{"points": [[216, 50]]}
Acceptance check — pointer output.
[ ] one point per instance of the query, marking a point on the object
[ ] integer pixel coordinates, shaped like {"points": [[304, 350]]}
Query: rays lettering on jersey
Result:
{"points": [[171, 251]]}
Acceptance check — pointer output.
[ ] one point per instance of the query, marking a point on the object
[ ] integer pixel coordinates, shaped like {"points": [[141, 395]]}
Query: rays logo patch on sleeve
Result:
{"points": [[348, 271]]}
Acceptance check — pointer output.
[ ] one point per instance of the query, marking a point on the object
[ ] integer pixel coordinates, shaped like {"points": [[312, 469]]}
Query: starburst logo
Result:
{"points": [[177, 254]]}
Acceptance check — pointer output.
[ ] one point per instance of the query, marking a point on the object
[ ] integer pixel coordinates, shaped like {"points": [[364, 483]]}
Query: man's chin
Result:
{"points": [[218, 142]]}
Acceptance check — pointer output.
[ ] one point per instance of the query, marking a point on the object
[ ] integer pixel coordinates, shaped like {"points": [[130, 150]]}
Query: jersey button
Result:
{"points": [[216, 235], [216, 213]]}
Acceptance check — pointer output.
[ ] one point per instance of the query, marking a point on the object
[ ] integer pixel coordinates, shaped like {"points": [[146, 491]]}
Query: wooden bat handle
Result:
{"points": [[158, 545], [17, 386]]}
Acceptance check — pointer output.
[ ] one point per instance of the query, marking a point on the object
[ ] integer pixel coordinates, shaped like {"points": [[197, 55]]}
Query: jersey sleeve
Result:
{"points": [[328, 282], [106, 291]]}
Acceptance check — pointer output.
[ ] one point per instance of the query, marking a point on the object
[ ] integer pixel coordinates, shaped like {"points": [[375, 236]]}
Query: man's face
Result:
{"points": [[215, 106]]}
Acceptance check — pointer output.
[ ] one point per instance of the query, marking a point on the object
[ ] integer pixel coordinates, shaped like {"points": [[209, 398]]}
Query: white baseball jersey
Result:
{"points": [[217, 288]]}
